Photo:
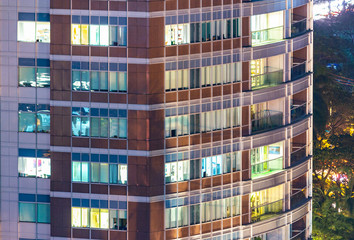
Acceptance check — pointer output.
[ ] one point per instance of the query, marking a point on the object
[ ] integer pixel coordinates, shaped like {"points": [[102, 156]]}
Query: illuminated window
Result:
{"points": [[34, 118], [76, 34], [101, 218], [267, 28], [33, 27]]}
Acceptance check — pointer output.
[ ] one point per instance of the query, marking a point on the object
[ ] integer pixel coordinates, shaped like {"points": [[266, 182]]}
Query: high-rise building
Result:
{"points": [[155, 119]]}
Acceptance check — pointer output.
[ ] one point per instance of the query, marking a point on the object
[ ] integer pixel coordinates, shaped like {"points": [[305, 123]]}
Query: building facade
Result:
{"points": [[156, 119]]}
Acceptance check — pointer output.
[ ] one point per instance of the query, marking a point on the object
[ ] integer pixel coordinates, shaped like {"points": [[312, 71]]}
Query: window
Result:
{"points": [[100, 218], [102, 31], [114, 172], [84, 79], [33, 27], [176, 217], [177, 34], [34, 167], [34, 208], [267, 28], [195, 32], [267, 72], [33, 72], [267, 159], [101, 122], [34, 118]]}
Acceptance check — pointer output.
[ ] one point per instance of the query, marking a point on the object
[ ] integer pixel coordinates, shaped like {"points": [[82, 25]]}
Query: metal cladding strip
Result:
{"points": [[135, 153], [137, 107], [248, 53]]}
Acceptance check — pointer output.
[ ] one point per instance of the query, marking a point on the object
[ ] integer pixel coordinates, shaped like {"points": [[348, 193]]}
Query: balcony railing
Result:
{"points": [[266, 211], [267, 167], [267, 119], [298, 25], [267, 36], [266, 80], [299, 235], [298, 154], [298, 111], [298, 70], [298, 198]]}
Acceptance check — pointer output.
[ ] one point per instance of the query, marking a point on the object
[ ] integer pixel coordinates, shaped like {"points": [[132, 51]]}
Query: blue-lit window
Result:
{"points": [[34, 118], [101, 168], [101, 123], [34, 208], [99, 77]]}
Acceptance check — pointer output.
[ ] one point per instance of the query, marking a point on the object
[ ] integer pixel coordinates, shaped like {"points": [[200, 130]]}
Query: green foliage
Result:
{"points": [[333, 181]]}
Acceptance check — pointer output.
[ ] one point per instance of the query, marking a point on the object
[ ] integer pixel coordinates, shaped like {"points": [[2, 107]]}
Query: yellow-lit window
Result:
{"points": [[76, 217], [95, 218], [84, 34], [104, 220], [75, 34], [85, 217]]}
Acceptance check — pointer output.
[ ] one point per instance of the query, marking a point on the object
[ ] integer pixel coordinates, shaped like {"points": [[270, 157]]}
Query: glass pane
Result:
{"points": [[113, 83], [95, 84], [85, 217], [85, 172], [122, 84], [95, 127], [94, 34], [76, 80], [113, 40], [76, 217], [43, 121], [122, 128], [104, 173], [122, 220], [76, 177], [104, 81], [75, 34], [27, 167], [43, 32], [26, 122], [104, 127], [104, 37], [95, 172], [43, 167], [27, 212], [104, 218], [113, 173], [85, 81], [75, 126], [122, 36], [95, 218], [43, 77], [113, 219], [26, 77], [113, 127], [123, 173], [84, 34], [43, 213], [26, 31]]}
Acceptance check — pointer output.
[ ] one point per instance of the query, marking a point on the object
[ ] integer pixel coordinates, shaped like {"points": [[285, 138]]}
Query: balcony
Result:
{"points": [[267, 36], [298, 111], [267, 167], [260, 213], [298, 25], [298, 153], [298, 69], [266, 80], [266, 120], [298, 198]]}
